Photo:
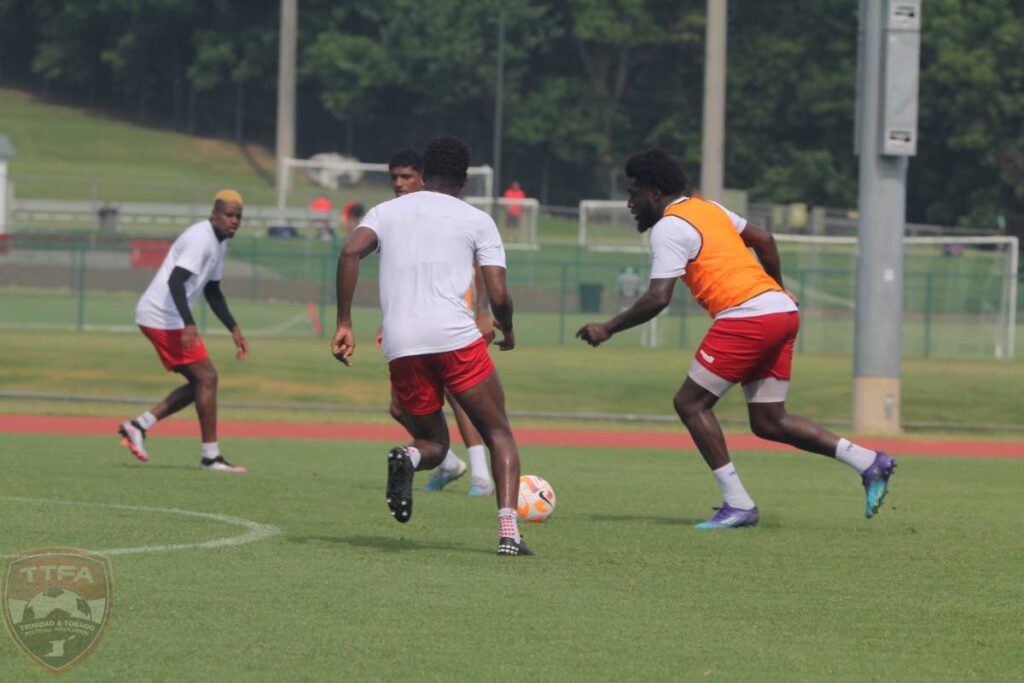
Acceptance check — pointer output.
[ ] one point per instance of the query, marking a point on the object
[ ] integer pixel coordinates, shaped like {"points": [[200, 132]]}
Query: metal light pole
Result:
{"points": [[886, 132], [286, 86], [6, 152], [712, 144], [499, 102]]}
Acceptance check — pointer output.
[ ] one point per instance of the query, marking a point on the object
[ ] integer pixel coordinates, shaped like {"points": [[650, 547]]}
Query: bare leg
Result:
{"points": [[181, 397], [203, 378], [485, 406], [771, 421], [470, 437], [429, 436], [693, 404]]}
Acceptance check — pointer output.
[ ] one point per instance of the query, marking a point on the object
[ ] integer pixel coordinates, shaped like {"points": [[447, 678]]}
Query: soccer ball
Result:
{"points": [[536, 499]]}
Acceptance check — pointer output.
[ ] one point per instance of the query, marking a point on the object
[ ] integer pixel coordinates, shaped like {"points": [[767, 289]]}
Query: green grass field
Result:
{"points": [[537, 378], [622, 588]]}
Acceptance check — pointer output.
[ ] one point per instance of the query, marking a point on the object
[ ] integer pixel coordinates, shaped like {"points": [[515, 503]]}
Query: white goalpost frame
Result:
{"points": [[342, 167], [526, 233], [1009, 311], [586, 205]]}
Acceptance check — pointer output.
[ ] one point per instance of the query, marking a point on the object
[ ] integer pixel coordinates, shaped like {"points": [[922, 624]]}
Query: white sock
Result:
{"points": [[733, 492], [414, 456], [210, 450], [450, 464], [146, 420], [857, 457], [478, 463], [508, 524]]}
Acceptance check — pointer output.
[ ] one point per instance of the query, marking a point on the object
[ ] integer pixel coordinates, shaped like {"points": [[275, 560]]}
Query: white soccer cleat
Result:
{"points": [[219, 464], [134, 439]]}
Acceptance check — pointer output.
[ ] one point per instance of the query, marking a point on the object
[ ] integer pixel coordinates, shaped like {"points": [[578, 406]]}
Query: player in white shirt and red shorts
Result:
{"points": [[750, 341], [194, 264], [428, 242]]}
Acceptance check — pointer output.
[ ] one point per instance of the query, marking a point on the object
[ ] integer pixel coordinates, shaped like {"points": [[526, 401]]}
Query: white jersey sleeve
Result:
{"points": [[372, 220], [738, 222], [674, 243], [489, 250]]}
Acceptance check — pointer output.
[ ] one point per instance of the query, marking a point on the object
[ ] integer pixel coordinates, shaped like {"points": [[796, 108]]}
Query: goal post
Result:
{"points": [[607, 225]]}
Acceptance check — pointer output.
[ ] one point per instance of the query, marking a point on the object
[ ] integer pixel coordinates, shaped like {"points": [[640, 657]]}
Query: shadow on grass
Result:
{"points": [[150, 466], [388, 544]]}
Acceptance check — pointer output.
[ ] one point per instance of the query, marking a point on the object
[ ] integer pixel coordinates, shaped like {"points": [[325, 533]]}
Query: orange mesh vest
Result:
{"points": [[724, 273]]}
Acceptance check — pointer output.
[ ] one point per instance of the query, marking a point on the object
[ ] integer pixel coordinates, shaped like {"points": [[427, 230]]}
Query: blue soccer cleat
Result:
{"points": [[876, 482], [729, 517], [481, 488], [441, 478]]}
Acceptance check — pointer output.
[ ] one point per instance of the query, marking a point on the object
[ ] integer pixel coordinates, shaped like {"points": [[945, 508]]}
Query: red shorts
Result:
{"points": [[419, 381], [168, 346], [743, 350]]}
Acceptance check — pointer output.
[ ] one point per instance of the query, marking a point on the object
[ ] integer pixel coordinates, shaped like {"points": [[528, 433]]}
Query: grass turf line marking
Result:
{"points": [[256, 531]]}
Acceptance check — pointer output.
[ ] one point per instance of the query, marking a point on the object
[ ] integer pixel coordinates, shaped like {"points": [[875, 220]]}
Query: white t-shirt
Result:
{"points": [[674, 243], [428, 242], [198, 251]]}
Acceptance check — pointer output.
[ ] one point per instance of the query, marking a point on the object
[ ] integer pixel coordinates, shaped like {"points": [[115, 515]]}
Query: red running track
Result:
{"points": [[239, 429]]}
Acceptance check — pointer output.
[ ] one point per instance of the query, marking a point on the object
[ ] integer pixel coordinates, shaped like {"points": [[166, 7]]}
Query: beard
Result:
{"points": [[646, 217]]}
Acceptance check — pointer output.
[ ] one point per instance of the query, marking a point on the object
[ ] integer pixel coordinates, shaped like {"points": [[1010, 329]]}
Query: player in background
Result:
{"points": [[194, 264], [428, 243], [406, 169], [750, 341]]}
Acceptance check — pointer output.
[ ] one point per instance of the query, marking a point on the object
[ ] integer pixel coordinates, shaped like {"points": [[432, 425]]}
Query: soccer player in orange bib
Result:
{"points": [[750, 341]]}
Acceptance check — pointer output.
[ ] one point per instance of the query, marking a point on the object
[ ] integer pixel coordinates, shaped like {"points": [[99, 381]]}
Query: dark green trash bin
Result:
{"points": [[590, 297]]}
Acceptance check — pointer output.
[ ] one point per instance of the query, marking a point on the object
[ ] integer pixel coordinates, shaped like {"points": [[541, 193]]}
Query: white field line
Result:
{"points": [[255, 531]]}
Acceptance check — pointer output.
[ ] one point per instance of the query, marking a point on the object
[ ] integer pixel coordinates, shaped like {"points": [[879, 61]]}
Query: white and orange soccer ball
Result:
{"points": [[536, 499]]}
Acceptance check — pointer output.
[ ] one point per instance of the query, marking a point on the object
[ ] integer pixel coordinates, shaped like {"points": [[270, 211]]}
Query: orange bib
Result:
{"points": [[724, 273]]}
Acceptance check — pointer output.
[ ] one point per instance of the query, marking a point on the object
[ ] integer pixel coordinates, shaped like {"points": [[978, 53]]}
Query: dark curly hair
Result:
{"points": [[445, 158], [406, 157], [656, 170]]}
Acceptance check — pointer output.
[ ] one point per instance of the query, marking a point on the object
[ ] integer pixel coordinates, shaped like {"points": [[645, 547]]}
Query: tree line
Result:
{"points": [[587, 82]]}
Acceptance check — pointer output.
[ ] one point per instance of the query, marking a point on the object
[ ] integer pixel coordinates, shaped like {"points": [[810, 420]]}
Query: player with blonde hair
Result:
{"points": [[194, 264]]}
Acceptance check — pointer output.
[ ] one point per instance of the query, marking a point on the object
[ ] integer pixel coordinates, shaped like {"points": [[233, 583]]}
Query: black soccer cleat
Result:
{"points": [[508, 546], [399, 491]]}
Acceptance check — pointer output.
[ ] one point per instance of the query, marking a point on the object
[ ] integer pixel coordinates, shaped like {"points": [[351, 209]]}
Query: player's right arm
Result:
{"points": [[361, 243], [176, 285]]}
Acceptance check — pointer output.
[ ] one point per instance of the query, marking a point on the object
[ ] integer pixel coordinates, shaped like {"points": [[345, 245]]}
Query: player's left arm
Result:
{"points": [[763, 244], [651, 303], [219, 305], [481, 306], [501, 304], [361, 243]]}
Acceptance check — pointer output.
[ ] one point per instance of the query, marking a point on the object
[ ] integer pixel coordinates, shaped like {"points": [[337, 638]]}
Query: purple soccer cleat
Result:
{"points": [[729, 517], [876, 482]]}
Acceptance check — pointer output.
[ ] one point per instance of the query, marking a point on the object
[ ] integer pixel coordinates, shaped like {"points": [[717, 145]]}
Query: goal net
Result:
{"points": [[959, 293], [315, 192], [607, 225]]}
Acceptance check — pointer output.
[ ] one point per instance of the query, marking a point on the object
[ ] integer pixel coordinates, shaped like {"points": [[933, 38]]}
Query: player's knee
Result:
{"points": [[207, 378], [766, 428], [684, 408]]}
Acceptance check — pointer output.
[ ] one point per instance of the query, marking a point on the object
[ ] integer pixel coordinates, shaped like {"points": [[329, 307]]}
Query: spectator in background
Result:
{"points": [[514, 210], [351, 214], [320, 215]]}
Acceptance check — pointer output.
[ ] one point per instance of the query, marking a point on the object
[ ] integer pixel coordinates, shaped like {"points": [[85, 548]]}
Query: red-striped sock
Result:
{"points": [[508, 524]]}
